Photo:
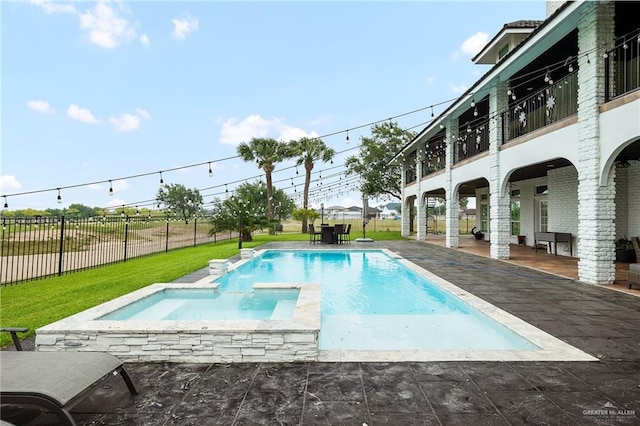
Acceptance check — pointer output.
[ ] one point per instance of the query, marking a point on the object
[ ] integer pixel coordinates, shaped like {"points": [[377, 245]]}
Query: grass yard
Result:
{"points": [[34, 304]]}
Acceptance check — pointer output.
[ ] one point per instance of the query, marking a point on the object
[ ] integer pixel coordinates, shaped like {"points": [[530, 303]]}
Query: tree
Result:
{"points": [[308, 151], [179, 200], [266, 152], [247, 207], [305, 215], [378, 176]]}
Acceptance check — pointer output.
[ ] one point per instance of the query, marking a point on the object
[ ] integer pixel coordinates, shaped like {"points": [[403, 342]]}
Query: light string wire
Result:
{"points": [[535, 74]]}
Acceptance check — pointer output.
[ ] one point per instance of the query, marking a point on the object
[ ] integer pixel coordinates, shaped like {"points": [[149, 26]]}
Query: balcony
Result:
{"points": [[434, 155], [622, 68], [472, 140], [555, 102], [410, 173]]}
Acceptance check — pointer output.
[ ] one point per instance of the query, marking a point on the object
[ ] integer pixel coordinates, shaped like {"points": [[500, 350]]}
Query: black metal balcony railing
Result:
{"points": [[410, 173], [434, 155], [622, 68], [546, 106], [472, 140]]}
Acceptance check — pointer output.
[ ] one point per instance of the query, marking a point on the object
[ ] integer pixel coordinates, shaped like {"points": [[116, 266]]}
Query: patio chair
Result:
{"points": [[338, 231], [56, 381], [633, 276], [346, 235], [314, 235]]}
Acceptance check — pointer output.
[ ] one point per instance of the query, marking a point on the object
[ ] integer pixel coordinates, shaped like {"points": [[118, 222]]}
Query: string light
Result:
{"points": [[161, 180], [110, 188], [210, 170], [473, 103], [6, 205], [432, 113], [347, 136], [59, 201]]}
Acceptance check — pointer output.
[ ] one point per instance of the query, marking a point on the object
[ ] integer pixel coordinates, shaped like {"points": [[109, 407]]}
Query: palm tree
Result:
{"points": [[307, 151], [266, 152]]}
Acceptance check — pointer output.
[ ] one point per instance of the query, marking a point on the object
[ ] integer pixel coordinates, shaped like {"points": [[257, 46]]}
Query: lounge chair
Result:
{"points": [[56, 381]]}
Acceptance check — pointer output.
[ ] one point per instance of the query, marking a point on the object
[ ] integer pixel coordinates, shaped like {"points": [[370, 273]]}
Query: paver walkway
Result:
{"points": [[601, 322]]}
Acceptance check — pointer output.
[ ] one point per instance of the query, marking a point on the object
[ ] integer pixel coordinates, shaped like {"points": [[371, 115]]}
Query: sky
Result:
{"points": [[93, 92]]}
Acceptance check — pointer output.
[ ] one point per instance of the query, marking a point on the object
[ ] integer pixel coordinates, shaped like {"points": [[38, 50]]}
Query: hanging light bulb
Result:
{"points": [[137, 211], [161, 180], [571, 67], [588, 60], [473, 103], [347, 136], [210, 170], [110, 188], [475, 112], [546, 77], [441, 126], [509, 91], [297, 170], [432, 112], [226, 189], [625, 46], [59, 197], [6, 205]]}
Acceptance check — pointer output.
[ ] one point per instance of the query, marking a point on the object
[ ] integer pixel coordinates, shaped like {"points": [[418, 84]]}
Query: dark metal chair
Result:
{"points": [[314, 235], [338, 231], [346, 234]]}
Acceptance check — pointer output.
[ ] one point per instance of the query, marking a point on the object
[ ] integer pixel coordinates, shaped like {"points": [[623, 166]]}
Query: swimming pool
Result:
{"points": [[370, 301], [338, 320]]}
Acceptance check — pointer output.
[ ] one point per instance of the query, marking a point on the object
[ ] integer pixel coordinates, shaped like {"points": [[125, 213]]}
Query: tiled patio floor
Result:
{"points": [[601, 322]]}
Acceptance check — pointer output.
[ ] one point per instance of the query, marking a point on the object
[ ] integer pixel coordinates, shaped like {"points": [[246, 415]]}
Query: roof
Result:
{"points": [[478, 82], [523, 27]]}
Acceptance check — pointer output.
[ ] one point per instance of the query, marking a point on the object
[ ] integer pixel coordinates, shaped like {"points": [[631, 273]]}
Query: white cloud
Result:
{"points": [[234, 132], [106, 28], [472, 45], [81, 114], [293, 133], [182, 27], [50, 7], [458, 88], [125, 122], [143, 113], [254, 126], [40, 106], [9, 183], [144, 39]]}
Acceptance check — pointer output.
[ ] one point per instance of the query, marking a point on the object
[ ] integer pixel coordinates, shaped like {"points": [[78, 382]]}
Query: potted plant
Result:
{"points": [[625, 251]]}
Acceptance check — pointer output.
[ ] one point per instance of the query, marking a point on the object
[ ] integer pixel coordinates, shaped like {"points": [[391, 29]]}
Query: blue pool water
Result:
{"points": [[371, 301], [195, 305]]}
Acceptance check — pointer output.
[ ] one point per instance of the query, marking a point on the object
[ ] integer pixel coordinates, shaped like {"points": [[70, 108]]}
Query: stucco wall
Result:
{"points": [[563, 204], [633, 197]]}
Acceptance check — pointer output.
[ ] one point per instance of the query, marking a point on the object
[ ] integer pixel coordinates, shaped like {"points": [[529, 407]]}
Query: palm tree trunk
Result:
{"points": [[267, 173]]}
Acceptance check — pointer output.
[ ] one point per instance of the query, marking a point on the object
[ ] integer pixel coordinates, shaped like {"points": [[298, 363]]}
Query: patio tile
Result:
{"points": [[456, 398], [339, 413], [269, 407], [495, 376], [473, 419], [546, 377], [404, 419], [335, 387], [529, 407]]}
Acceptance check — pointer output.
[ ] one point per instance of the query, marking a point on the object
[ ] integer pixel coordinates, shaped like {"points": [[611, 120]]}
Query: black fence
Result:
{"points": [[37, 247]]}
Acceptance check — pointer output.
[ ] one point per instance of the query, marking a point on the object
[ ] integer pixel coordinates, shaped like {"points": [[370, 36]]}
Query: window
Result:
{"points": [[541, 190], [544, 216], [515, 212], [484, 213]]}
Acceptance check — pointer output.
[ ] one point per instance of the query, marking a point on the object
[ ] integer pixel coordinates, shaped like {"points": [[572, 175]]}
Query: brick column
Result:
{"points": [[596, 203], [452, 221], [499, 203], [421, 213], [406, 211]]}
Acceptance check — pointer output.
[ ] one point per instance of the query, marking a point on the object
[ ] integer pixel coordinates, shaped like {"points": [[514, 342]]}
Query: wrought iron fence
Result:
{"points": [[37, 247]]}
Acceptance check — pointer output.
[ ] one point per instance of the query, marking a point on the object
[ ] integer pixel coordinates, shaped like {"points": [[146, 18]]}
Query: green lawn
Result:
{"points": [[34, 304]]}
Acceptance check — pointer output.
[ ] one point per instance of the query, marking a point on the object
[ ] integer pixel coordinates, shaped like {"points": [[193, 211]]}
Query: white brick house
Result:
{"points": [[548, 140]]}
